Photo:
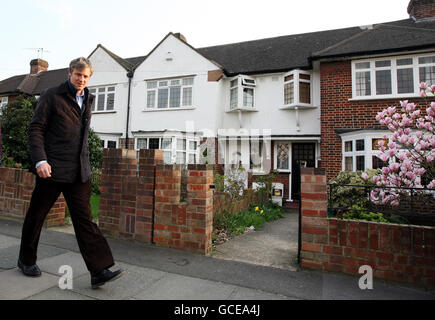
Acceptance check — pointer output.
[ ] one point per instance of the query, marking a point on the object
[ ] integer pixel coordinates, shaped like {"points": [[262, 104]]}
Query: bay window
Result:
{"points": [[298, 88], [242, 93]]}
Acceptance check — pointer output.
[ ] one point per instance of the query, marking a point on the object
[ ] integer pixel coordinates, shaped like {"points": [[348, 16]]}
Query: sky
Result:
{"points": [[67, 29]]}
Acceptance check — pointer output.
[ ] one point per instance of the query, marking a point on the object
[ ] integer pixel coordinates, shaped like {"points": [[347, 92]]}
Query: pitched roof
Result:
{"points": [[33, 84], [399, 35]]}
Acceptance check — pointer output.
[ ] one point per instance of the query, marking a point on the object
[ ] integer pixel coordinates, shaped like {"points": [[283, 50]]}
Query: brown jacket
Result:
{"points": [[58, 133]]}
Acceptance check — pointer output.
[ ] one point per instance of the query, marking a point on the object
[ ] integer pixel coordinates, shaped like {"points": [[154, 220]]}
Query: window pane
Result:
{"points": [[360, 145], [430, 59], [175, 97], [383, 82], [362, 65], [360, 163], [187, 81], [383, 63], [405, 81], [101, 98], [181, 157], [110, 101], [162, 101], [363, 83], [233, 98], [163, 83], [233, 83], [151, 99], [101, 89], [111, 144], [404, 62], [304, 76], [167, 157], [187, 96], [427, 74], [304, 92], [175, 82], [192, 145], [348, 164], [248, 97], [282, 150], [151, 84], [93, 103], [377, 163], [181, 144], [153, 143], [166, 143], [288, 78], [375, 143], [348, 146], [111, 89], [192, 158], [141, 143], [289, 95]]}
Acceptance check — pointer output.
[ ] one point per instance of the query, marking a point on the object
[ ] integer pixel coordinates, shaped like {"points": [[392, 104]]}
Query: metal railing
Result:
{"points": [[416, 205]]}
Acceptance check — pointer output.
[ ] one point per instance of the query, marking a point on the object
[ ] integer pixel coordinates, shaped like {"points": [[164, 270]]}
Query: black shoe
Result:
{"points": [[105, 276], [30, 271]]}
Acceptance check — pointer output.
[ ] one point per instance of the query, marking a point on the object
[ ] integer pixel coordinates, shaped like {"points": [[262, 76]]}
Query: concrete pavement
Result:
{"points": [[153, 273]]}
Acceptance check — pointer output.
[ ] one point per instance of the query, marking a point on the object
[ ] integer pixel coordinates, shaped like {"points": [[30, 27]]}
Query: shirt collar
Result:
{"points": [[73, 90]]}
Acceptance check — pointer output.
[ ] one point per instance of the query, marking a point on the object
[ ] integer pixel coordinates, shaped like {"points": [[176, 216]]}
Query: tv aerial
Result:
{"points": [[40, 51]]}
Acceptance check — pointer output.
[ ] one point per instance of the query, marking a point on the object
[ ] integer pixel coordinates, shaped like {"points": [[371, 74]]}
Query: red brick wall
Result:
{"points": [[16, 187], [404, 253], [337, 112], [145, 205], [421, 9]]}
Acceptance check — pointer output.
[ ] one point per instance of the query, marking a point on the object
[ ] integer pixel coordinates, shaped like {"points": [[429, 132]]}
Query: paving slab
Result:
{"points": [[179, 287], [72, 259], [134, 280], [252, 294], [55, 293], [6, 242], [9, 255], [15, 286]]}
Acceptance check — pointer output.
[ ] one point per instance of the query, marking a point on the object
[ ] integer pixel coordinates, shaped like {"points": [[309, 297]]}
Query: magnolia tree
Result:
{"points": [[410, 152]]}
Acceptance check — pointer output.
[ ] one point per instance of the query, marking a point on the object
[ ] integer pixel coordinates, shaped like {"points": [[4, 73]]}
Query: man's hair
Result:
{"points": [[80, 64]]}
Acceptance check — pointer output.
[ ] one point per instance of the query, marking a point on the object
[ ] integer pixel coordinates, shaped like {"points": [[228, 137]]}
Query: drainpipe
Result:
{"points": [[129, 76]]}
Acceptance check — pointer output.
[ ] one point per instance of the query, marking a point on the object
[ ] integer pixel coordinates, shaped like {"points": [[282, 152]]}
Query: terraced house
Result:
{"points": [[307, 99]]}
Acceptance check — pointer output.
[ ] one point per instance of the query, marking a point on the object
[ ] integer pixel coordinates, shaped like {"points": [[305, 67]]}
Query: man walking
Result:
{"points": [[58, 141]]}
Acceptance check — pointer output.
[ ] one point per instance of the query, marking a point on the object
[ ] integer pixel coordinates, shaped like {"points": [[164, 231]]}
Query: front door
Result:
{"points": [[303, 155]]}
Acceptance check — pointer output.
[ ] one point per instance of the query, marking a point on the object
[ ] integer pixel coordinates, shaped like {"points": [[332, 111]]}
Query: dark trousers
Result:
{"points": [[93, 246]]}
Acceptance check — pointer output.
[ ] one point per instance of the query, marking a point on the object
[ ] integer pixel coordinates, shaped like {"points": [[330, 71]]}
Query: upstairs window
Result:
{"points": [[3, 103], [167, 94], [104, 98], [242, 93], [392, 77], [297, 88]]}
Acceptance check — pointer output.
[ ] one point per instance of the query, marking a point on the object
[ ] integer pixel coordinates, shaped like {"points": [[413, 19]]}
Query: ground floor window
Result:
{"points": [[177, 150], [361, 149]]}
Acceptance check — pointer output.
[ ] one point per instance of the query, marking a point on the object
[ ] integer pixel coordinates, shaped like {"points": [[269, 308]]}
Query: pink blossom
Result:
{"points": [[423, 85], [364, 176], [431, 185]]}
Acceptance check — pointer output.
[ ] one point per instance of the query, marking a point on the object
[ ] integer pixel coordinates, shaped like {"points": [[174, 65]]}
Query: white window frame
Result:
{"points": [[106, 93], [3, 103], [170, 83], [296, 88], [368, 151], [394, 67], [173, 148], [243, 82]]}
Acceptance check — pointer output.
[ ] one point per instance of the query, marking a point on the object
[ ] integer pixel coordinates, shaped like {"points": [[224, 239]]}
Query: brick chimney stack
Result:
{"points": [[421, 9], [38, 65], [180, 36]]}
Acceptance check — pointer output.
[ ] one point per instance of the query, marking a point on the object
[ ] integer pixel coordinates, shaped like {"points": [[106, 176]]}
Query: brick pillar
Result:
{"points": [[111, 189], [200, 207], [148, 159], [168, 214], [314, 218]]}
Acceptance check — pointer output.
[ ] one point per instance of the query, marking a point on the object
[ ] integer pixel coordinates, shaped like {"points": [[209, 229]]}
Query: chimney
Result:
{"points": [[38, 65], [180, 36], [421, 9]]}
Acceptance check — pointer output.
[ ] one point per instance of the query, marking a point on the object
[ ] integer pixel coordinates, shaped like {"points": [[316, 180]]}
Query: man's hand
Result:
{"points": [[44, 170]]}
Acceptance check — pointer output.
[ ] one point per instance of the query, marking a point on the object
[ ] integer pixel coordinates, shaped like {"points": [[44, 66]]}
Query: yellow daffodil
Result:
{"points": [[256, 209]]}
